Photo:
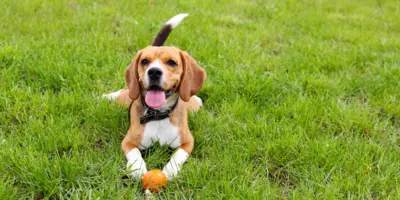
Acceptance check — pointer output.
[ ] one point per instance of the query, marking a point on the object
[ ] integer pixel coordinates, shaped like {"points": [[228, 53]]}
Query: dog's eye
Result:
{"points": [[171, 63], [144, 62]]}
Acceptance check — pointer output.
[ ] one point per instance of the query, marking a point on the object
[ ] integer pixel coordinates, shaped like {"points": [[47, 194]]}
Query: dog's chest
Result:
{"points": [[161, 131]]}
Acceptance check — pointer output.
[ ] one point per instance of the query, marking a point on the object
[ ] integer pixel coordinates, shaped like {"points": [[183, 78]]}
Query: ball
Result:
{"points": [[154, 180]]}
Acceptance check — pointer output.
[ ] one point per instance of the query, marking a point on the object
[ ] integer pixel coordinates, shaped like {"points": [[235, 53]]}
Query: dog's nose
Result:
{"points": [[154, 73]]}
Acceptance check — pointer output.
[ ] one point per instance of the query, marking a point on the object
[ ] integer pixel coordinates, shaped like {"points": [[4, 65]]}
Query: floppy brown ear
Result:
{"points": [[193, 77], [132, 78]]}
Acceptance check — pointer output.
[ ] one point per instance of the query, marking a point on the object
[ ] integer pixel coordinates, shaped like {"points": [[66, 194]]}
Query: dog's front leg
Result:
{"points": [[172, 168], [135, 163]]}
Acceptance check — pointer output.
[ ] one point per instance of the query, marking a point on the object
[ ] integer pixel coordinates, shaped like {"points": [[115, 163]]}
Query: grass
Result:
{"points": [[301, 100]]}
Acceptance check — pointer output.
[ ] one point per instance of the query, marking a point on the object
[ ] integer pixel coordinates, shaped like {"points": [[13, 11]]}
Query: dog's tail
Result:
{"points": [[162, 36]]}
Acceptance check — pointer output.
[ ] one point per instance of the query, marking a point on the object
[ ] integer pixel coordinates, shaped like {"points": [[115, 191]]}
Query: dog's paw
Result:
{"points": [[112, 96], [198, 100], [137, 171], [138, 175], [172, 168], [171, 172], [148, 195], [135, 164]]}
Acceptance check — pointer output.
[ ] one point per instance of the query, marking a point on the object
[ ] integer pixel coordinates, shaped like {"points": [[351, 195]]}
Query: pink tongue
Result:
{"points": [[155, 98]]}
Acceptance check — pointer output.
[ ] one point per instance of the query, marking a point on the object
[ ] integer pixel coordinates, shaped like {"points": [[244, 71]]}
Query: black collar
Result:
{"points": [[151, 114]]}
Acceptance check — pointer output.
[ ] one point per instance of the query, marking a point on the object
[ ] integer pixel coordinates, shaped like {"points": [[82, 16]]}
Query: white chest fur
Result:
{"points": [[161, 131]]}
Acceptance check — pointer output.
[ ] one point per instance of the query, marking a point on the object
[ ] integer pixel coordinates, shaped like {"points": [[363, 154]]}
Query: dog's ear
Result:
{"points": [[193, 77], [132, 78]]}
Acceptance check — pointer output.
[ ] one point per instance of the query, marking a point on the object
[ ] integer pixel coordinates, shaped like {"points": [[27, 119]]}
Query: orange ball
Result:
{"points": [[154, 180]]}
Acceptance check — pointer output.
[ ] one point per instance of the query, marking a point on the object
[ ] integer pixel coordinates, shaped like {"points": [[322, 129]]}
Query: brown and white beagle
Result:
{"points": [[162, 82]]}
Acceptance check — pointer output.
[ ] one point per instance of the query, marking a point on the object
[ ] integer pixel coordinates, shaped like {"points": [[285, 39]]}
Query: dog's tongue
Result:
{"points": [[155, 98]]}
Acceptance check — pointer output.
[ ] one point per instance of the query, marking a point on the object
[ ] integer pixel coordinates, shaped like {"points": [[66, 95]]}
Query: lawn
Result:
{"points": [[302, 99]]}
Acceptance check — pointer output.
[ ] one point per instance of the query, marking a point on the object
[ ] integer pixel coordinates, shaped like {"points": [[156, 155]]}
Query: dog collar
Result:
{"points": [[151, 114]]}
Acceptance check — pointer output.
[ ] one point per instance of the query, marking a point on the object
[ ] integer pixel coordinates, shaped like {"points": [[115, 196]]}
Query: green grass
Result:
{"points": [[301, 100]]}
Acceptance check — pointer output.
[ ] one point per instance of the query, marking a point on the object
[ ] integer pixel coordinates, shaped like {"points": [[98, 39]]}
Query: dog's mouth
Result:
{"points": [[155, 96]]}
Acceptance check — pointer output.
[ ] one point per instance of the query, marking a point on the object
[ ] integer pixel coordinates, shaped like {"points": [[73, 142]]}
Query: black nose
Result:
{"points": [[154, 73]]}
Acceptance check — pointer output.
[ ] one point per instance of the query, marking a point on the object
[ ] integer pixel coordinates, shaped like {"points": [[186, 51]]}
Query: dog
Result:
{"points": [[162, 82]]}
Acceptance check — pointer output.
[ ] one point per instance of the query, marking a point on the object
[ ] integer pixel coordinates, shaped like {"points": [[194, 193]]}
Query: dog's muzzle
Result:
{"points": [[154, 75]]}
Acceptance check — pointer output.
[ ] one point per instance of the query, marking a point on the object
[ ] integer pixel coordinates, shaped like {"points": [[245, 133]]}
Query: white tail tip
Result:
{"points": [[177, 19]]}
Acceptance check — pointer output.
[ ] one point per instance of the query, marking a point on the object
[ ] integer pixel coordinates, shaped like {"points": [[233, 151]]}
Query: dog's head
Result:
{"points": [[156, 72]]}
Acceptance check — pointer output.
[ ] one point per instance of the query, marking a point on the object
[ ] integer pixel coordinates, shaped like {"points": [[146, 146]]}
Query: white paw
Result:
{"points": [[172, 168], [148, 195], [112, 96], [171, 173], [136, 164], [137, 172], [198, 100]]}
